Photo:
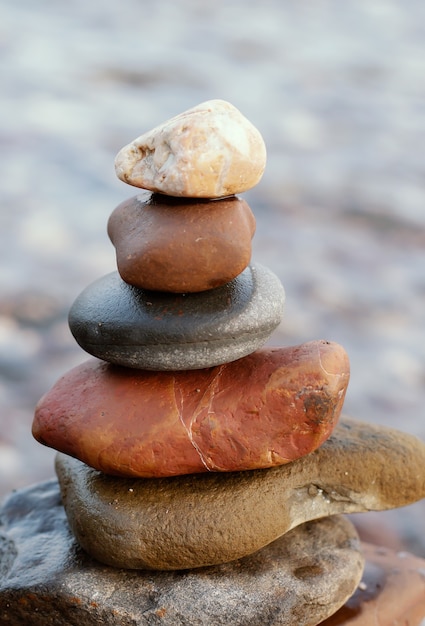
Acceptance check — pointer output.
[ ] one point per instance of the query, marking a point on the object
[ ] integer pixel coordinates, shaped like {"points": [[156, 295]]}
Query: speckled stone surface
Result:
{"points": [[47, 580], [211, 518], [121, 324]]}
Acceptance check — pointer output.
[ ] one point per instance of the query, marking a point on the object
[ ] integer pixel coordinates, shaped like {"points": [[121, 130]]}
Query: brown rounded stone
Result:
{"points": [[205, 519], [209, 151], [392, 591], [174, 245], [266, 409]]}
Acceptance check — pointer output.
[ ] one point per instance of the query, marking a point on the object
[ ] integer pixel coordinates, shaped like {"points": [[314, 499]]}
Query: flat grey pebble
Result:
{"points": [[151, 330]]}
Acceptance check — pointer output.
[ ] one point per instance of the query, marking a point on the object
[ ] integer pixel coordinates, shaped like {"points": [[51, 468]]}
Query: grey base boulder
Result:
{"points": [[47, 580]]}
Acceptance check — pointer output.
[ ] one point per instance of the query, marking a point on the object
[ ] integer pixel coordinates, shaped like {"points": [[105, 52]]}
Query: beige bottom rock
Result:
{"points": [[46, 579], [206, 519]]}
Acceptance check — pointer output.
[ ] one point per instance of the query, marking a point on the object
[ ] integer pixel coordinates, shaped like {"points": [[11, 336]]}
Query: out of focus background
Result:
{"points": [[337, 90]]}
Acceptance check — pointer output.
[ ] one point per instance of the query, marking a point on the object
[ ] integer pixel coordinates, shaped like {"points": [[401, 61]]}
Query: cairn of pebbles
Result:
{"points": [[184, 443]]}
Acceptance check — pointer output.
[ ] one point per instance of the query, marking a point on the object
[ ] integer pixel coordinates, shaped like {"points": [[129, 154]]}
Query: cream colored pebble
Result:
{"points": [[209, 151]]}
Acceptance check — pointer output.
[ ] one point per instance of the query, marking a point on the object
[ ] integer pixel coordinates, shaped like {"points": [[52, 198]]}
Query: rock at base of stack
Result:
{"points": [[45, 578]]}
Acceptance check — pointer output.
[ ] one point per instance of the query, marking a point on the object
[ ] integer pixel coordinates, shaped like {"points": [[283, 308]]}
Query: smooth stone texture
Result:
{"points": [[47, 580], [266, 409], [158, 331], [170, 244], [205, 519], [209, 151], [391, 592]]}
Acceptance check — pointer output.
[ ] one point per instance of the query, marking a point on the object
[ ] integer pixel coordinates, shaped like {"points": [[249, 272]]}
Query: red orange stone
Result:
{"points": [[266, 409], [179, 245]]}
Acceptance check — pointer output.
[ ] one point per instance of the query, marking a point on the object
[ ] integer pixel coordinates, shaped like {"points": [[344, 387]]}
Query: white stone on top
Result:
{"points": [[209, 151]]}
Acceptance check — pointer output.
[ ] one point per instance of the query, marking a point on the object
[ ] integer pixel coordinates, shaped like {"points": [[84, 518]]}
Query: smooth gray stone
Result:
{"points": [[152, 330], [47, 580]]}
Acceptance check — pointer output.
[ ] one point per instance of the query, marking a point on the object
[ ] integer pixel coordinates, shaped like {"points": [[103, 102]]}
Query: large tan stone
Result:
{"points": [[205, 519], [391, 592], [209, 151], [266, 409], [181, 246]]}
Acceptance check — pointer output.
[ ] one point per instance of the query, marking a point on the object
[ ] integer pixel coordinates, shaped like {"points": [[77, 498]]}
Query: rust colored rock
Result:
{"points": [[392, 591], [209, 151], [266, 409], [175, 245]]}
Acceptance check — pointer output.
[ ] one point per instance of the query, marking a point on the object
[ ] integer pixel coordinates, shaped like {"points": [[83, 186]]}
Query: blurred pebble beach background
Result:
{"points": [[338, 93]]}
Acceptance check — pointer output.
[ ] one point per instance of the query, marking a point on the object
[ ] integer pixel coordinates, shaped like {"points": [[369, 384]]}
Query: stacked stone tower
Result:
{"points": [[184, 444]]}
